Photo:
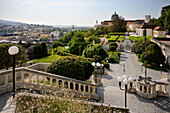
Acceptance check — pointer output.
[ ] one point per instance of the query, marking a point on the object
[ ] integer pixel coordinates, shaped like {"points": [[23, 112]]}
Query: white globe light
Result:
{"points": [[93, 63], [13, 50], [141, 63], [98, 64], [119, 78], [125, 81], [125, 76], [160, 65], [130, 79], [102, 65]]}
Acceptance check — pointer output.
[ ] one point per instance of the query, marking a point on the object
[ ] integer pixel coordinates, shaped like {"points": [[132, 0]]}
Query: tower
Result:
{"points": [[147, 18]]}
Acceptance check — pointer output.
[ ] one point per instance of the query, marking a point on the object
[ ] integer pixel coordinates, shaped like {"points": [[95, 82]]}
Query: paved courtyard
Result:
{"points": [[111, 94]]}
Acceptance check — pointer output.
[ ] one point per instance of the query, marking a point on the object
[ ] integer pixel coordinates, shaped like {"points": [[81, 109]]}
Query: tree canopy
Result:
{"points": [[119, 25], [40, 50], [77, 44], [77, 67], [93, 50], [153, 55]]}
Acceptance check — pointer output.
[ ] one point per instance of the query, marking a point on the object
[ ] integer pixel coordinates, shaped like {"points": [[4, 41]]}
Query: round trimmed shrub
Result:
{"points": [[73, 67]]}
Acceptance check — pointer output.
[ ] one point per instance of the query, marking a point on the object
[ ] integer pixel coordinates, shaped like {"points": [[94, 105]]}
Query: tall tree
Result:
{"points": [[119, 25]]}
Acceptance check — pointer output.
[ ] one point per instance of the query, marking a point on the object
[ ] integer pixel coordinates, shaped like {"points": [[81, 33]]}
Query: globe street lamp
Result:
{"points": [[13, 50], [96, 65], [161, 67], [126, 80]]}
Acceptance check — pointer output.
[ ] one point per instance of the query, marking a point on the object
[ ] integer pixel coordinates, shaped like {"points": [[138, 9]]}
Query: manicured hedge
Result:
{"points": [[73, 67], [121, 38], [117, 33], [132, 38], [113, 39]]}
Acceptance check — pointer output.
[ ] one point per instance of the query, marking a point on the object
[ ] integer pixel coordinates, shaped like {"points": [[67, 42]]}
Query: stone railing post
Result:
{"points": [[22, 76], [30, 78], [57, 85], [147, 90], [143, 88], [160, 87], [74, 86], [44, 78], [89, 89], [165, 89], [38, 79], [79, 88], [69, 85], [63, 83], [94, 90], [84, 88], [51, 82], [6, 80]]}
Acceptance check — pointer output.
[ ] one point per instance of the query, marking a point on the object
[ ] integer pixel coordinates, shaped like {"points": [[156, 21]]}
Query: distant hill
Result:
{"points": [[6, 22]]}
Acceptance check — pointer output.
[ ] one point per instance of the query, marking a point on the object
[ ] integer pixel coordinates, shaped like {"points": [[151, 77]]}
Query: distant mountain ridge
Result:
{"points": [[6, 22]]}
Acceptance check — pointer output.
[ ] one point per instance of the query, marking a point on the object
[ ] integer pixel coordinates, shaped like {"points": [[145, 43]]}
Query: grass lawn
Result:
{"points": [[47, 59]]}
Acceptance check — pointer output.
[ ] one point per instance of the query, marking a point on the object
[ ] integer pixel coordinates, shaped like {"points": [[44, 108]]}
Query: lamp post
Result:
{"points": [[141, 67], [126, 80], [124, 67], [96, 65], [161, 67], [13, 50]]}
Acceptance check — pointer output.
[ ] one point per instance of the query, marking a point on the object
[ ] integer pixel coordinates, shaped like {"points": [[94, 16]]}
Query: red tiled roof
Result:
{"points": [[159, 28]]}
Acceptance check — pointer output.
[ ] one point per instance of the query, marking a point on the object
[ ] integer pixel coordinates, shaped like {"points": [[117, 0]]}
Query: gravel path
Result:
{"points": [[111, 94]]}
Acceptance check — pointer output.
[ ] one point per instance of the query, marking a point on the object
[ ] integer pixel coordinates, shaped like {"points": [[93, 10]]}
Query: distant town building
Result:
{"points": [[151, 30], [147, 18], [108, 23]]}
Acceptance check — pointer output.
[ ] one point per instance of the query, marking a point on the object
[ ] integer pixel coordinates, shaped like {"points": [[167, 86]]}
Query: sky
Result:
{"points": [[77, 12]]}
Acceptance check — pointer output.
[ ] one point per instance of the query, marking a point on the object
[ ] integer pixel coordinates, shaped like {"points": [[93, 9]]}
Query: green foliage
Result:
{"points": [[118, 26], [121, 38], [113, 39], [112, 48], [140, 45], [40, 50], [97, 58], [5, 58], [43, 39], [91, 38], [92, 50], [47, 59], [57, 44], [167, 20], [164, 19], [117, 33], [106, 65], [67, 37], [153, 55], [73, 67], [136, 38], [113, 44], [77, 44]]}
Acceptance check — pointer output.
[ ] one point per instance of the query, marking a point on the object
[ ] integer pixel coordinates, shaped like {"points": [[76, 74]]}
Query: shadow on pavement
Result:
{"points": [[160, 102], [109, 77], [3, 100], [100, 92]]}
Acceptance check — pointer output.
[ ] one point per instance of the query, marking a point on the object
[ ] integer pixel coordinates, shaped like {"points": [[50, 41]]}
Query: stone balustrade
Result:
{"points": [[152, 89], [28, 78]]}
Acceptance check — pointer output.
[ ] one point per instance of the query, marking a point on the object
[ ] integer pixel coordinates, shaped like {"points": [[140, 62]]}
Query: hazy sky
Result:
{"points": [[77, 12]]}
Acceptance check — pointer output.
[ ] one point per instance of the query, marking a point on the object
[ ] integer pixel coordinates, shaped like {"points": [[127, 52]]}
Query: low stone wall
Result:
{"points": [[39, 66], [33, 79]]}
